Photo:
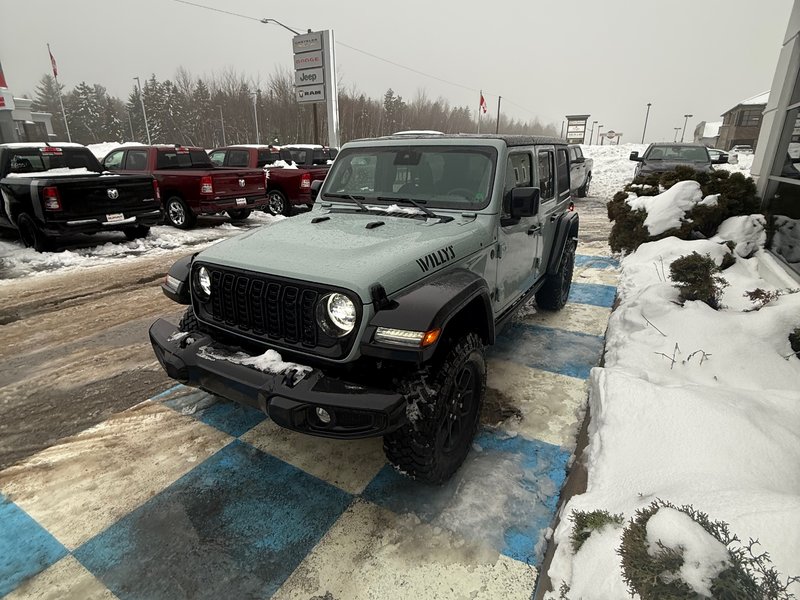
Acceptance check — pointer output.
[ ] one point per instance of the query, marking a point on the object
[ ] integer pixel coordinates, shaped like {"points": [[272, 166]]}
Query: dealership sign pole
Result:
{"points": [[576, 128], [315, 76]]}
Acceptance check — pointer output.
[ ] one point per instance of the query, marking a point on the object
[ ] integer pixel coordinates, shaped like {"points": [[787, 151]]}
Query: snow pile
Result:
{"points": [[397, 209], [747, 232], [60, 172], [743, 166], [281, 164], [693, 406], [612, 169], [101, 150], [666, 211], [269, 362]]}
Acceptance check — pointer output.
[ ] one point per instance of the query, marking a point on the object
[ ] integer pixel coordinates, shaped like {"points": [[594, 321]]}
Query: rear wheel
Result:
{"points": [[554, 294], [135, 233], [277, 204], [31, 235], [443, 411], [178, 213], [239, 214]]}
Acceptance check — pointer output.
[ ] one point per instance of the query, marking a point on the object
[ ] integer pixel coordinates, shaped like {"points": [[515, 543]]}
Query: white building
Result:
{"points": [[776, 166]]}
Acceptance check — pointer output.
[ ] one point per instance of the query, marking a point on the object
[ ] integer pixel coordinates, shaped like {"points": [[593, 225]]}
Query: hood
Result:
{"points": [[668, 165], [342, 251]]}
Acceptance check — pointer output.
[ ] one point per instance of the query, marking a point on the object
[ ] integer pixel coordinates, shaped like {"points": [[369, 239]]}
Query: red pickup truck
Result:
{"points": [[290, 170], [190, 184]]}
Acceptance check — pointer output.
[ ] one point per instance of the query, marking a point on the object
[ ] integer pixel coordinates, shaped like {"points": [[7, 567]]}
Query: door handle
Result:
{"points": [[534, 229]]}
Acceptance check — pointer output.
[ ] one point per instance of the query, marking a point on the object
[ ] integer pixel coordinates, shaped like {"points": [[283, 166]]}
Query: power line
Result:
{"points": [[370, 54]]}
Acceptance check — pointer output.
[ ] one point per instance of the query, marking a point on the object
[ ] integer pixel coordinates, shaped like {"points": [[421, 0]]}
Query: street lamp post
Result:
{"points": [[591, 133], [599, 129], [645, 120], [685, 121], [677, 129], [222, 120], [144, 112], [255, 118]]}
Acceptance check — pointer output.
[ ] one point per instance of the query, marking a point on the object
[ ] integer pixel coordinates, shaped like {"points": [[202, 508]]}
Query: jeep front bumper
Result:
{"points": [[356, 411]]}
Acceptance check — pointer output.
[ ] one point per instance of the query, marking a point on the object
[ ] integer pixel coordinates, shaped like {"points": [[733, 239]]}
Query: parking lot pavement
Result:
{"points": [[184, 496]]}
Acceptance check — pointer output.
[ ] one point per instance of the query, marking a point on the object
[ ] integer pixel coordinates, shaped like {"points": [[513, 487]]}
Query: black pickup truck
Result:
{"points": [[50, 191]]}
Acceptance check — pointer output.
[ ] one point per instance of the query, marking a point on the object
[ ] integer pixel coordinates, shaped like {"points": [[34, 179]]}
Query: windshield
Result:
{"points": [[458, 177], [678, 153], [35, 160]]}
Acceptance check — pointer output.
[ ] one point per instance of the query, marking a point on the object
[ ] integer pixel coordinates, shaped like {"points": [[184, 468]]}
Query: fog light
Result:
{"points": [[323, 415]]}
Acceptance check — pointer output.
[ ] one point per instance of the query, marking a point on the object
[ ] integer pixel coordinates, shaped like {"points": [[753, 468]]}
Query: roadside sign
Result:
{"points": [[310, 76], [576, 128], [611, 134], [307, 42], [308, 60], [311, 93]]}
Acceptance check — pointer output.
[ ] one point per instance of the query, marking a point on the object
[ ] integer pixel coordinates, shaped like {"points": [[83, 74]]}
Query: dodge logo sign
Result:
{"points": [[241, 183], [112, 193]]}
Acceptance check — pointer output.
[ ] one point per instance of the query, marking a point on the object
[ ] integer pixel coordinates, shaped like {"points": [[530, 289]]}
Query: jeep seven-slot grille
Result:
{"points": [[266, 309]]}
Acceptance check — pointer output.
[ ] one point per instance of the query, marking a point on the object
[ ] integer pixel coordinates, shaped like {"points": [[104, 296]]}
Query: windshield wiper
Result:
{"points": [[357, 199], [416, 203]]}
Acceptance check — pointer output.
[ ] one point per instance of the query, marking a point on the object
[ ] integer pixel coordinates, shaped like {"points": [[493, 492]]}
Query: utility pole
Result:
{"points": [[647, 114], [144, 112], [591, 133], [497, 126], [599, 137], [677, 129], [222, 120], [685, 121], [255, 118], [562, 129]]}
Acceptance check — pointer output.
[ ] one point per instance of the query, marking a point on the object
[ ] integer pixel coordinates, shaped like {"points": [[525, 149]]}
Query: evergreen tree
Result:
{"points": [[47, 100], [84, 114]]}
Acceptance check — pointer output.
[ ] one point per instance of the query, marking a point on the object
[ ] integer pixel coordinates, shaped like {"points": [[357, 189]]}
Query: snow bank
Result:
{"points": [[612, 169], [693, 406], [666, 211]]}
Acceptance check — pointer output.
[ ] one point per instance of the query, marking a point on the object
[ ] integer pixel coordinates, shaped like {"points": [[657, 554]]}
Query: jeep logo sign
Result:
{"points": [[112, 193], [309, 77]]}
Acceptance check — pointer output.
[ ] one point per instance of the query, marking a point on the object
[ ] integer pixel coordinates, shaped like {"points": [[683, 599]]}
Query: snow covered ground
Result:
{"points": [[693, 406]]}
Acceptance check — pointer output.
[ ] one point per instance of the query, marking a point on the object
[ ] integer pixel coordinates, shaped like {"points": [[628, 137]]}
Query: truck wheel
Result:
{"points": [[444, 410], [178, 213], [278, 204], [136, 233], [583, 191], [31, 235], [554, 293], [240, 214]]}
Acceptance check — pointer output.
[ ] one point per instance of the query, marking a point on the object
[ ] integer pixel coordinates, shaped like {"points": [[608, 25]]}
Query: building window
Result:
{"points": [[749, 117]]}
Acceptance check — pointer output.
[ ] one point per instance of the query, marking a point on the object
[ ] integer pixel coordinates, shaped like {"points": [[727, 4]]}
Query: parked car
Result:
{"points": [[52, 190], [190, 184], [382, 299], [742, 149], [580, 171], [665, 156], [290, 171]]}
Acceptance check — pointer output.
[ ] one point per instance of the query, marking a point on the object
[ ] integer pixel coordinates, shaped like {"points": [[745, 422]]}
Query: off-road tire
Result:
{"points": [[278, 204], [553, 295], [189, 321], [583, 191], [30, 234], [437, 397], [136, 233], [239, 214], [178, 214]]}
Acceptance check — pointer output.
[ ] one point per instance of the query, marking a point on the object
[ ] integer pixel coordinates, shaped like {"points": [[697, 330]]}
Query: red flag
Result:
{"points": [[483, 103], [52, 62]]}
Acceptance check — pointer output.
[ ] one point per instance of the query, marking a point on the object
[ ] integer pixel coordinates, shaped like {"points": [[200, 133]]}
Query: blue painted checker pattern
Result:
{"points": [[554, 350], [26, 548], [240, 522], [234, 527]]}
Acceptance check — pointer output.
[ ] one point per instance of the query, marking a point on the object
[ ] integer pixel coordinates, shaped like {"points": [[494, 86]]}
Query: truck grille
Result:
{"points": [[271, 310]]}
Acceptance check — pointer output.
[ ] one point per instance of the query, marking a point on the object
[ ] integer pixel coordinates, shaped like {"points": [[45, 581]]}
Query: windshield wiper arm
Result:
{"points": [[416, 203], [357, 199]]}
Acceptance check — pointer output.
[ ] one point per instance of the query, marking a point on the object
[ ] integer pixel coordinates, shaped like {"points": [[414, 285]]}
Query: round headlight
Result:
{"points": [[204, 282], [338, 316]]}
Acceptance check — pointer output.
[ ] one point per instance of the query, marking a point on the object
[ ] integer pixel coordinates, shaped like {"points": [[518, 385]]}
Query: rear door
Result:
{"points": [[553, 185]]}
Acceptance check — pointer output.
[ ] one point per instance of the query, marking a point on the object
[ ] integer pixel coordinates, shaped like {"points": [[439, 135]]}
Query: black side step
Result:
{"points": [[319, 219], [375, 224]]}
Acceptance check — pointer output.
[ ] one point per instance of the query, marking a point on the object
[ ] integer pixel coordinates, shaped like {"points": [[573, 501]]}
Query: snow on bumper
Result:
{"points": [[289, 393]]}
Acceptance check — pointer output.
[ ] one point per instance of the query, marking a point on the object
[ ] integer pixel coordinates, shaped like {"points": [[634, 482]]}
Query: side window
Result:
{"points": [[518, 174], [563, 172], [114, 160], [265, 157], [546, 175], [572, 153], [217, 158], [238, 158], [578, 152], [136, 160]]}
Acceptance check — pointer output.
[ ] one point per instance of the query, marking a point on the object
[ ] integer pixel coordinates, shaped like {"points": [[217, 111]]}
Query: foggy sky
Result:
{"points": [[603, 57]]}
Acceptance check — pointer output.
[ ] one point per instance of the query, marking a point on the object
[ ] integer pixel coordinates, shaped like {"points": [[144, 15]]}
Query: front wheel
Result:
{"points": [[239, 214], [553, 295], [31, 235], [178, 213], [444, 407], [278, 204]]}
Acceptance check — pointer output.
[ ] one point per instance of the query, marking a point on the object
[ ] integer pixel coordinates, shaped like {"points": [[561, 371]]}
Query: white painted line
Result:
{"points": [[372, 553], [349, 465], [85, 483], [65, 579]]}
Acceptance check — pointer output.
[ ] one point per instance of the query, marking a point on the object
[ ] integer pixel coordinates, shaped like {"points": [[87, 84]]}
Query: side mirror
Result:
{"points": [[635, 156], [524, 202], [315, 186], [286, 156], [579, 160]]}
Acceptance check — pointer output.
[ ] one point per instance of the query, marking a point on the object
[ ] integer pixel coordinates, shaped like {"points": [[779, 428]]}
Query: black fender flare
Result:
{"points": [[180, 272], [433, 303], [566, 229]]}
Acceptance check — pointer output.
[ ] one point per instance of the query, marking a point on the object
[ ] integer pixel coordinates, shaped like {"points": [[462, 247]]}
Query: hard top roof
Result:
{"points": [[510, 140]]}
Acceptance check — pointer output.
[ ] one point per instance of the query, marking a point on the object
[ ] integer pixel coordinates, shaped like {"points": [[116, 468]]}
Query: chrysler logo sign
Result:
{"points": [[241, 183], [112, 193]]}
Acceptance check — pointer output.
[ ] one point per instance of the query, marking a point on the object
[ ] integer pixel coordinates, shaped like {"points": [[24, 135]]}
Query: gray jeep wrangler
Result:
{"points": [[369, 315]]}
